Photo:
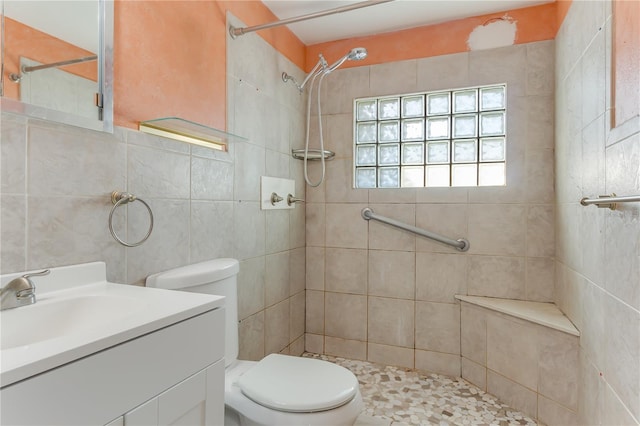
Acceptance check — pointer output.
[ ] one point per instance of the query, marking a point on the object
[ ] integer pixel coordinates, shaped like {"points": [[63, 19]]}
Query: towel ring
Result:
{"points": [[118, 199]]}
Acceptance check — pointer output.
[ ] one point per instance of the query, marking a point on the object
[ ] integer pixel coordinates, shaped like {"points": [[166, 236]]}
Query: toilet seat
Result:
{"points": [[293, 384]]}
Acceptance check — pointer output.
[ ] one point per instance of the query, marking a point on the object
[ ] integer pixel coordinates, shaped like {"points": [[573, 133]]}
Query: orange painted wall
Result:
{"points": [[170, 57], [562, 8], [255, 13], [24, 41], [169, 60], [626, 60], [534, 24]]}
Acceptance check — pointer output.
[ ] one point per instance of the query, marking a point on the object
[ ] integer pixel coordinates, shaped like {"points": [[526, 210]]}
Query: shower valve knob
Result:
{"points": [[275, 198], [292, 200]]}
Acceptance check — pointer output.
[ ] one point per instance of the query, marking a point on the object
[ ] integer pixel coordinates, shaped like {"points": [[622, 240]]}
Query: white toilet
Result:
{"points": [[279, 389]]}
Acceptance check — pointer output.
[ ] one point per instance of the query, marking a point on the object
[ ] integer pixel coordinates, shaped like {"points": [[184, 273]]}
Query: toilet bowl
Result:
{"points": [[284, 406], [279, 389]]}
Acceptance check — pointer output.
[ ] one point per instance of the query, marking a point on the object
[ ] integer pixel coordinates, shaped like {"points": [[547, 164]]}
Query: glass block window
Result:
{"points": [[443, 138]]}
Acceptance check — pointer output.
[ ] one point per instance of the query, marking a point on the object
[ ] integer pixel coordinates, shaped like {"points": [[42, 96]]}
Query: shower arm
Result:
{"points": [[323, 68], [320, 67]]}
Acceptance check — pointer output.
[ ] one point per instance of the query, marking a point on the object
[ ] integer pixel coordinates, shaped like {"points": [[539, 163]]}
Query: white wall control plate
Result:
{"points": [[282, 187]]}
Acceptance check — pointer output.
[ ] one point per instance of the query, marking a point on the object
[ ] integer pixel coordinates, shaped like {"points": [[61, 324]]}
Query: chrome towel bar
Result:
{"points": [[609, 201], [461, 244]]}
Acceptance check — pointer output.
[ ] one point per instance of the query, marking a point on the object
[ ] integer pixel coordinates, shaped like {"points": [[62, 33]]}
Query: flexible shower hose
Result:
{"points": [[306, 145]]}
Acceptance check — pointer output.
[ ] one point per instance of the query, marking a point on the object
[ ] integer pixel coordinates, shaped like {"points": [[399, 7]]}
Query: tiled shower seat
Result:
{"points": [[525, 353]]}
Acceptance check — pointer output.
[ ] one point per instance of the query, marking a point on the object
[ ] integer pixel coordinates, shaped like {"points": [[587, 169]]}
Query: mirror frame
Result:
{"points": [[105, 81]]}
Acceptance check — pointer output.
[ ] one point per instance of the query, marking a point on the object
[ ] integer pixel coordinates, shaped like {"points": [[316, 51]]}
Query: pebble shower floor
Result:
{"points": [[403, 396]]}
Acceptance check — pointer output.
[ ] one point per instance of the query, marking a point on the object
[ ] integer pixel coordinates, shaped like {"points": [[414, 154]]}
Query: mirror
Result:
{"points": [[57, 61]]}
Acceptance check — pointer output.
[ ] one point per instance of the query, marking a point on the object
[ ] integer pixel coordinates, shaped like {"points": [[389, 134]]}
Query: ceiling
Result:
{"points": [[54, 17], [381, 18]]}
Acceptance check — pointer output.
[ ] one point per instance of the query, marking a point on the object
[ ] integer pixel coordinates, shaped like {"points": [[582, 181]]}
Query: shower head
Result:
{"points": [[356, 54]]}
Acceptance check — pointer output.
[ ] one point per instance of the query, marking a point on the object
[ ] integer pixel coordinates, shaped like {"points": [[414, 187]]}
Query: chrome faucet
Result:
{"points": [[20, 291]]}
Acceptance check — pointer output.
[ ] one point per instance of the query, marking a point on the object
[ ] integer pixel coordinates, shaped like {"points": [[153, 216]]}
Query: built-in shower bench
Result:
{"points": [[546, 314], [525, 353]]}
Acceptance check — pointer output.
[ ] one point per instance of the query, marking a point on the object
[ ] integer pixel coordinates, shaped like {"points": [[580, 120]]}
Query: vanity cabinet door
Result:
{"points": [[185, 403], [197, 400]]}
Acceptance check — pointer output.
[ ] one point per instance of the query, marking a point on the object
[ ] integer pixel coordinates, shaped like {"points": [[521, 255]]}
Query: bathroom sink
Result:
{"points": [[79, 313], [55, 317]]}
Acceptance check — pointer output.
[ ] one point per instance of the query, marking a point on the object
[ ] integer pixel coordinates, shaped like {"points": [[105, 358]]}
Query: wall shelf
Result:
{"points": [[188, 131]]}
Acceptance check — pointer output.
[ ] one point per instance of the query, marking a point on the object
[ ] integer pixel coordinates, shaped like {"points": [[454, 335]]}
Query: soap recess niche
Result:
{"points": [[188, 131]]}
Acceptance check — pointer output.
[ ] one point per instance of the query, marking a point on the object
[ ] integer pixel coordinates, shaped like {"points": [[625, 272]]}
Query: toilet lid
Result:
{"points": [[293, 384]]}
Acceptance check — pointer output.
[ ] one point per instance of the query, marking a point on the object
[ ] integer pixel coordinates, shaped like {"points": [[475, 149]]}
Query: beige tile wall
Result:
{"points": [[56, 182], [597, 250], [382, 294], [269, 244]]}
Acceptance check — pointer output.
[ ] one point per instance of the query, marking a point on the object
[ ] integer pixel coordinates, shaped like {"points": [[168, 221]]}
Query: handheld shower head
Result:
{"points": [[321, 69], [356, 54]]}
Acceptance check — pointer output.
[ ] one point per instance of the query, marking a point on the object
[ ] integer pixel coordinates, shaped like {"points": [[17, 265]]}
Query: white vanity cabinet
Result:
{"points": [[174, 375]]}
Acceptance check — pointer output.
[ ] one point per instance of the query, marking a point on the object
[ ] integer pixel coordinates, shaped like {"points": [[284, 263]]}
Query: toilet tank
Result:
{"points": [[218, 277]]}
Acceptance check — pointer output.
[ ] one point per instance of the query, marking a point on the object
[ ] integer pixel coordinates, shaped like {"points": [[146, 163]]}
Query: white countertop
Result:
{"points": [[126, 312]]}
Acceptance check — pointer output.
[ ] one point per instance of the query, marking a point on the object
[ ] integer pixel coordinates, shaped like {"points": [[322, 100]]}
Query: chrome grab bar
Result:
{"points": [[460, 244], [609, 201]]}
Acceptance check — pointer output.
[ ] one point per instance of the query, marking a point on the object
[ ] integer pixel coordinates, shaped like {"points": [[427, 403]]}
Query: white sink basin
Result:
{"points": [[79, 313], [56, 317]]}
